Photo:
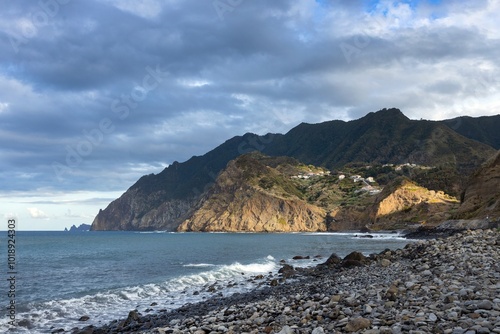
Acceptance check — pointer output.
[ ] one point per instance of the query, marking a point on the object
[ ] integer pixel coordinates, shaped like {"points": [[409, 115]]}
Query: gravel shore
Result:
{"points": [[449, 285]]}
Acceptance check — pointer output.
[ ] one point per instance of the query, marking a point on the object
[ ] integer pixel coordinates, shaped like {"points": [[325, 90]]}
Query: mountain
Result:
{"points": [[483, 129], [161, 201], [165, 200], [387, 136], [256, 193], [481, 197]]}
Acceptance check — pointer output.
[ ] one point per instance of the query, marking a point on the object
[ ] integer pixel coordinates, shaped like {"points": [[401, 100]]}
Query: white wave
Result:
{"points": [[108, 305], [198, 265], [254, 268], [322, 233], [152, 232], [384, 235]]}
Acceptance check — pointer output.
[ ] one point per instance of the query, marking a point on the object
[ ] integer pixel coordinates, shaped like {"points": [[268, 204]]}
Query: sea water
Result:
{"points": [[62, 276]]}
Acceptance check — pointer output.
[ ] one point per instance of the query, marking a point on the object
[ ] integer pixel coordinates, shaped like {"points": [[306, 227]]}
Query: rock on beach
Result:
{"points": [[449, 285]]}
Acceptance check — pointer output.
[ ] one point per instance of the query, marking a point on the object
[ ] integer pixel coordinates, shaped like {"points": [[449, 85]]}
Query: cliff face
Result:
{"points": [[252, 196], [404, 202], [133, 211], [481, 198], [162, 201], [261, 194]]}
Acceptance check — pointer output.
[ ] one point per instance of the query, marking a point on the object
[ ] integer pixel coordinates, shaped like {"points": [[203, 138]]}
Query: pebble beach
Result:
{"points": [[448, 285]]}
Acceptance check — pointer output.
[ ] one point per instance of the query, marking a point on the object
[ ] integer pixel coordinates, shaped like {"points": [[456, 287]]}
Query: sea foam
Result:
{"points": [[103, 307]]}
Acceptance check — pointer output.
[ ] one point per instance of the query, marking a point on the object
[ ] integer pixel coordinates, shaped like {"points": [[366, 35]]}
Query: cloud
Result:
{"points": [[37, 214], [70, 214], [260, 67]]}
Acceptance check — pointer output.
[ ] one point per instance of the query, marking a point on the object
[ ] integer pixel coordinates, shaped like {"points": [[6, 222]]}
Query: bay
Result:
{"points": [[63, 276]]}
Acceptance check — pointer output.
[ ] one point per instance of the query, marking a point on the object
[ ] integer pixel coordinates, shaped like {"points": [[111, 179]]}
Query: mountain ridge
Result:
{"points": [[164, 200]]}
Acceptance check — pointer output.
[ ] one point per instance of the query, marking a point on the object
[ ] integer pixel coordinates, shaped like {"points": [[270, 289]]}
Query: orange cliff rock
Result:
{"points": [[236, 202]]}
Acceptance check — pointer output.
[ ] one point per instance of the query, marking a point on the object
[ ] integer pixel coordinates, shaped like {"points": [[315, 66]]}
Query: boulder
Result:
{"points": [[356, 256], [354, 259], [333, 260], [392, 293], [385, 263], [25, 323], [351, 263], [357, 324], [273, 282], [133, 316], [287, 271]]}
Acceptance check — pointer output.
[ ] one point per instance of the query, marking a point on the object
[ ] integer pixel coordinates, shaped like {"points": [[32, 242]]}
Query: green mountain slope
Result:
{"points": [[386, 136], [484, 129]]}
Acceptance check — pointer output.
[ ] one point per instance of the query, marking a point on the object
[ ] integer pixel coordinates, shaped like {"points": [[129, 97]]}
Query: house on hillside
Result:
{"points": [[357, 178]]}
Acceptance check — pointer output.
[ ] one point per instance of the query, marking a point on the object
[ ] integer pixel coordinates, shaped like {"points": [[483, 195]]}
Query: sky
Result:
{"points": [[96, 93]]}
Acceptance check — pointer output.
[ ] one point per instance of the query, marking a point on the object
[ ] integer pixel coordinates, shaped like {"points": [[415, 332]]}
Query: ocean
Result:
{"points": [[62, 276]]}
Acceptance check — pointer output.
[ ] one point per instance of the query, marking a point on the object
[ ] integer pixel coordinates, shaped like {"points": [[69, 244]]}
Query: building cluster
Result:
{"points": [[369, 188], [358, 178], [408, 165], [310, 175]]}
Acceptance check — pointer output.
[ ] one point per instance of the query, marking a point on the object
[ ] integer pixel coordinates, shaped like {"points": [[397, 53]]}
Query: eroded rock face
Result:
{"points": [[133, 211], [237, 203], [405, 201], [250, 210], [481, 198], [408, 195]]}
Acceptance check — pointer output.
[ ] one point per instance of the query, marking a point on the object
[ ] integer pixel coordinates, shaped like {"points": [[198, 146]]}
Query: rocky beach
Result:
{"points": [[447, 285]]}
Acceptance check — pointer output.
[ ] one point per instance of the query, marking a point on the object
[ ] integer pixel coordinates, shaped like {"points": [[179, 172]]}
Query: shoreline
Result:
{"points": [[447, 285]]}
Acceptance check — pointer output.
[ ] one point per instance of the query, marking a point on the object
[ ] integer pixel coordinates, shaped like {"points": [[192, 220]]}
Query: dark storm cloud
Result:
{"points": [[136, 85]]}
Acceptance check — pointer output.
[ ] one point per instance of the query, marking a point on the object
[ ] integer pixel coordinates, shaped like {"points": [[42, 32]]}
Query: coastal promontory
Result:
{"points": [[362, 163]]}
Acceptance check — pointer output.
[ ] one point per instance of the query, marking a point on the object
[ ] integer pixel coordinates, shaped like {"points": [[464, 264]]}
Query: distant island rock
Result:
{"points": [[81, 228]]}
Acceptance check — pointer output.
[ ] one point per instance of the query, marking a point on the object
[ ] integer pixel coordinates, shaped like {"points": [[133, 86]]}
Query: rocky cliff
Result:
{"points": [[162, 201], [404, 203], [481, 198], [256, 193], [251, 195], [136, 212]]}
